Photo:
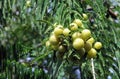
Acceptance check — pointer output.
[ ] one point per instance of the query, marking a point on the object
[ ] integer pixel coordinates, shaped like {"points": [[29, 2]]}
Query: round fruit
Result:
{"points": [[78, 22], [87, 46], [47, 43], [28, 3], [66, 32], [73, 26], [85, 34], [58, 31], [61, 48], [53, 40], [85, 16], [81, 51], [76, 35], [78, 43], [98, 45], [91, 40], [92, 53]]}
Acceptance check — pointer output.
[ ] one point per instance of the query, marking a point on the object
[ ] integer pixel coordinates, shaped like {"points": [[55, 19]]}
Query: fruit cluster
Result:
{"points": [[73, 42]]}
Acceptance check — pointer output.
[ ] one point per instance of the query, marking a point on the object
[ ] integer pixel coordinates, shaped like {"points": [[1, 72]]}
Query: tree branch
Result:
{"points": [[93, 70]]}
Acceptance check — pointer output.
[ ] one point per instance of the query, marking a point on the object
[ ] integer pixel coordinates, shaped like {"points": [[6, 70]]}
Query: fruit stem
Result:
{"points": [[93, 70]]}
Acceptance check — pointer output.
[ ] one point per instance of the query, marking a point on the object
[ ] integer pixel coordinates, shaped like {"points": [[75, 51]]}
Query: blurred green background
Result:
{"points": [[25, 26]]}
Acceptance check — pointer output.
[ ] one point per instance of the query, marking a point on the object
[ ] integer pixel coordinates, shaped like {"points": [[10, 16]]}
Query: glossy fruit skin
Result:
{"points": [[91, 53], [85, 34], [85, 16], [87, 46], [53, 40], [78, 22], [76, 35], [81, 52], [58, 31], [47, 43], [61, 48], [28, 3], [91, 40], [98, 45], [66, 32], [78, 43], [73, 26]]}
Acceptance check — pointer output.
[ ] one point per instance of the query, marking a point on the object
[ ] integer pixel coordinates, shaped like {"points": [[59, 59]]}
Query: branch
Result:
{"points": [[93, 70]]}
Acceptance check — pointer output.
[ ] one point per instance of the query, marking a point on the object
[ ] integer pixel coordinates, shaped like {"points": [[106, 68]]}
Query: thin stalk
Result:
{"points": [[93, 70]]}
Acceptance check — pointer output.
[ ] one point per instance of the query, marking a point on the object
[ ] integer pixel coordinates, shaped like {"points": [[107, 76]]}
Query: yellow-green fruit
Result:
{"points": [[61, 48], [81, 52], [78, 22], [85, 34], [98, 45], [47, 43], [66, 32], [73, 26], [78, 43], [28, 3], [58, 31], [91, 40], [87, 46], [53, 40], [92, 53], [76, 35], [85, 16]]}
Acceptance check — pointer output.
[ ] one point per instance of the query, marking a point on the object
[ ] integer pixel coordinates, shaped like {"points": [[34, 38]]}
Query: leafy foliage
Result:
{"points": [[25, 28]]}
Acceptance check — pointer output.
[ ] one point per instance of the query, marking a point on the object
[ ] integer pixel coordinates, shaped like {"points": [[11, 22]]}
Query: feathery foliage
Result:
{"points": [[25, 27]]}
